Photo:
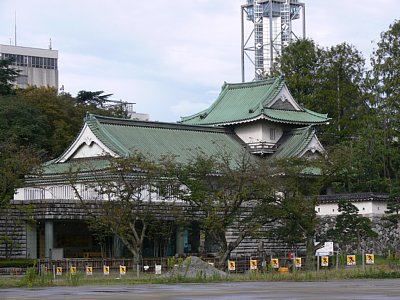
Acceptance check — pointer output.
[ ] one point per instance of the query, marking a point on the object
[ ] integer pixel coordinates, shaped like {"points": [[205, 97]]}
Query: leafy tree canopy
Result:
{"points": [[23, 124], [15, 162], [97, 98]]}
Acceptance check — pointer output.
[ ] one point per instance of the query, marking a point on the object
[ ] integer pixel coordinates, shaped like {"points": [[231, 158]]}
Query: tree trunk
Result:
{"points": [[228, 248], [310, 253]]}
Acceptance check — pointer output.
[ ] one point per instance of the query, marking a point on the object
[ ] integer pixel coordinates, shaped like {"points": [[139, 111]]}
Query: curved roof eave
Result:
{"points": [[263, 116]]}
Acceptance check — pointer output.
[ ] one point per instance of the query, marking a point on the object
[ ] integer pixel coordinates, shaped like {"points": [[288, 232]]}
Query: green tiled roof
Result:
{"points": [[158, 139], [295, 142], [154, 139], [246, 101], [72, 166]]}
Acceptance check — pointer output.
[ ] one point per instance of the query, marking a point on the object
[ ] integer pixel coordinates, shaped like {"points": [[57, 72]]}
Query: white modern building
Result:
{"points": [[38, 67]]}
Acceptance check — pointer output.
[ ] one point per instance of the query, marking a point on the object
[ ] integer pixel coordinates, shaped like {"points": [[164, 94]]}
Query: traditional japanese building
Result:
{"points": [[260, 117]]}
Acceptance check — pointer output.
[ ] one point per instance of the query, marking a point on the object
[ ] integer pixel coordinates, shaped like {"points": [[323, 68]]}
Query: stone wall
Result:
{"points": [[13, 233], [388, 239]]}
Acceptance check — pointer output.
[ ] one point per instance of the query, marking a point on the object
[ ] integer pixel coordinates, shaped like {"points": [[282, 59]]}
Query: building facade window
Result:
{"points": [[31, 61]]}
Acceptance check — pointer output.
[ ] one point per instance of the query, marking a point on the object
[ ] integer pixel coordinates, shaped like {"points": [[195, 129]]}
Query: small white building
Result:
{"points": [[38, 67], [368, 204]]}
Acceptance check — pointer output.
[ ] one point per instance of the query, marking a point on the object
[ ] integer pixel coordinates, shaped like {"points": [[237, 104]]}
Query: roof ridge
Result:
{"points": [[275, 87], [163, 125], [192, 116], [251, 83], [259, 106]]}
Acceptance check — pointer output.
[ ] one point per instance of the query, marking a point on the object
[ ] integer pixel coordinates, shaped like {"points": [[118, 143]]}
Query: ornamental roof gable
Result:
{"points": [[87, 144]]}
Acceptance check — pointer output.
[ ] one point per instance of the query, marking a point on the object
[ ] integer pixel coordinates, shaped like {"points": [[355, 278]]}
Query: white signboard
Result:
{"points": [[326, 250], [158, 269]]}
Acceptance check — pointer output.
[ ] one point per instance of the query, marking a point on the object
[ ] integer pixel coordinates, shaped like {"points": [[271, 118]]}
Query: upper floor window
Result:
{"points": [[272, 134]]}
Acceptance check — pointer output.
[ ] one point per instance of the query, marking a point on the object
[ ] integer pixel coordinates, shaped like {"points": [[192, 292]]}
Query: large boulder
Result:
{"points": [[194, 267]]}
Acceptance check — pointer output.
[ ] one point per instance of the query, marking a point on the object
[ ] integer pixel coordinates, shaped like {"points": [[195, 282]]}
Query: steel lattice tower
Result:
{"points": [[272, 31]]}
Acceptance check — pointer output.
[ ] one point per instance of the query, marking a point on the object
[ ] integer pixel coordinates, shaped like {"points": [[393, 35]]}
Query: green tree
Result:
{"points": [[134, 193], [8, 75], [229, 193], [15, 162], [63, 118], [386, 98], [391, 219], [356, 165], [331, 80], [23, 124], [62, 113], [340, 92], [299, 63], [351, 228]]}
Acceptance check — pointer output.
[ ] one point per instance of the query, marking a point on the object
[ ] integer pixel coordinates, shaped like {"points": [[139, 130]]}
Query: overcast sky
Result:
{"points": [[169, 57]]}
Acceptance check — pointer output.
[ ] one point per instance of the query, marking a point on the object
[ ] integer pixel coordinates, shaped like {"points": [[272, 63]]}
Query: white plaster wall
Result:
{"points": [[258, 131], [365, 207], [91, 150], [379, 207], [249, 132]]}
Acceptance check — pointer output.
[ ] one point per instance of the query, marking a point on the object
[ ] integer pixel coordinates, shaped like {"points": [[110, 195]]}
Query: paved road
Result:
{"points": [[360, 289]]}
